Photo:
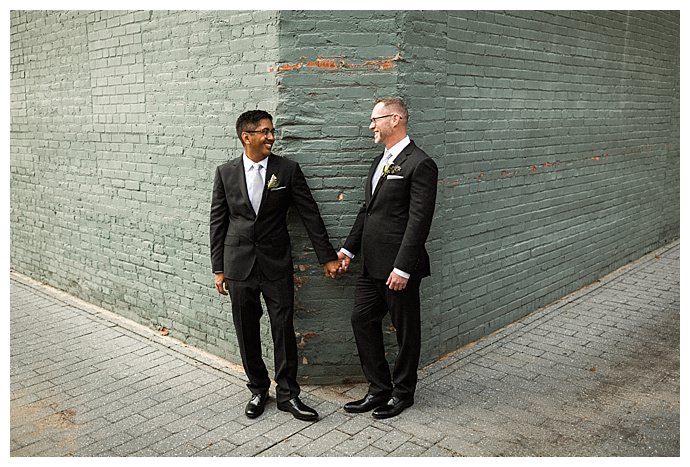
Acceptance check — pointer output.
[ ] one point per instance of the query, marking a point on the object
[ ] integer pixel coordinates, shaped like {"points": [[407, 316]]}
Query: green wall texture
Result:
{"points": [[556, 135]]}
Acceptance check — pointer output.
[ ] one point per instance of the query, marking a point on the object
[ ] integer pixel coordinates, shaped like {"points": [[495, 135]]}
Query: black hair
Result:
{"points": [[249, 120]]}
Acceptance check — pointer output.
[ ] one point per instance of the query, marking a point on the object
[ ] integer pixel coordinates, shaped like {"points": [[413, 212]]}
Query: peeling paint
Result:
{"points": [[339, 64]]}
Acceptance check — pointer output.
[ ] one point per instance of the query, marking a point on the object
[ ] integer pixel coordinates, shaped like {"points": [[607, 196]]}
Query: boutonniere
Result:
{"points": [[390, 169], [273, 182]]}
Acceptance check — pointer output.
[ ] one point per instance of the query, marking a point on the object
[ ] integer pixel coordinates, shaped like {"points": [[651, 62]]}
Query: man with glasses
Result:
{"points": [[251, 255], [390, 231]]}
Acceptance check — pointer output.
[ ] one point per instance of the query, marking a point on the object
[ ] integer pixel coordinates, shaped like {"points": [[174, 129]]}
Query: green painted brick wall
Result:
{"points": [[556, 135]]}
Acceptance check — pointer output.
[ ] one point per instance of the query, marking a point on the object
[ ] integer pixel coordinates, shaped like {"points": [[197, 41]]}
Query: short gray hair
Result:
{"points": [[395, 104]]}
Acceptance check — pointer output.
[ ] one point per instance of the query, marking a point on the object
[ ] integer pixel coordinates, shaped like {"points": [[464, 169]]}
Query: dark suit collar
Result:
{"points": [[271, 166], [405, 153], [400, 146]]}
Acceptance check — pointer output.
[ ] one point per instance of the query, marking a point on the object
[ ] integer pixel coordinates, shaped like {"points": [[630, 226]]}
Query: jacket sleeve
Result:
{"points": [[218, 223], [353, 243], [421, 212], [308, 211]]}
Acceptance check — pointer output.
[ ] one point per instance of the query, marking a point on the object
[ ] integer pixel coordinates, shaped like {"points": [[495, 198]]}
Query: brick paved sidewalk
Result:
{"points": [[595, 374]]}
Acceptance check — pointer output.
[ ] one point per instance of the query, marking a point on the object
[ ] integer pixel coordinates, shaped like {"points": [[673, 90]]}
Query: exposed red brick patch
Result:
{"points": [[287, 67], [339, 64], [322, 63]]}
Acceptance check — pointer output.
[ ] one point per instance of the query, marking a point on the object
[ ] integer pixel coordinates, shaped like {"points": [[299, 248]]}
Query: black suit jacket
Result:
{"points": [[393, 223], [239, 236]]}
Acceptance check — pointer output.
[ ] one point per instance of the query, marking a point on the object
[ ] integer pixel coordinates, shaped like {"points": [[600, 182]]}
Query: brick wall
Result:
{"points": [[556, 136], [562, 156], [118, 121]]}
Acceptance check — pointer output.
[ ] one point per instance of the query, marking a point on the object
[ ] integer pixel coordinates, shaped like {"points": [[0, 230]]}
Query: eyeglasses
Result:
{"points": [[373, 119], [264, 132]]}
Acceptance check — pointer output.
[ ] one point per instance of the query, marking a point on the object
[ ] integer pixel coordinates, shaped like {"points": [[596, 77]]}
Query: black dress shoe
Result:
{"points": [[392, 408], [298, 409], [256, 405], [370, 402]]}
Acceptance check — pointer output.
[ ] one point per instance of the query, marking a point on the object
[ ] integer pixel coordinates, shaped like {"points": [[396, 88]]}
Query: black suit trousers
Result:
{"points": [[246, 313], [373, 299]]}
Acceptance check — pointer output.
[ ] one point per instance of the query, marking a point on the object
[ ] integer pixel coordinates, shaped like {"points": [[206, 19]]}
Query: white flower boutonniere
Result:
{"points": [[390, 169], [273, 182]]}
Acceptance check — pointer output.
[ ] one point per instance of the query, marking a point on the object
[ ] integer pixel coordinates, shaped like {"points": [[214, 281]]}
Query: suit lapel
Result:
{"points": [[272, 168], [240, 178], [367, 194], [399, 160]]}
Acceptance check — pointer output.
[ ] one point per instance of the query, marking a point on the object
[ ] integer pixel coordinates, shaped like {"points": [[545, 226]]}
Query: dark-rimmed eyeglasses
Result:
{"points": [[265, 131], [373, 119]]}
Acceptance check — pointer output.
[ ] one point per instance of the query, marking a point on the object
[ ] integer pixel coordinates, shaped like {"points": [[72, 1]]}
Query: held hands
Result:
{"points": [[331, 269]]}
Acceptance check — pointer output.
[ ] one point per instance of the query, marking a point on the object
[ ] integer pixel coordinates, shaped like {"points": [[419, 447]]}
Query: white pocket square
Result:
{"points": [[395, 177], [278, 188]]}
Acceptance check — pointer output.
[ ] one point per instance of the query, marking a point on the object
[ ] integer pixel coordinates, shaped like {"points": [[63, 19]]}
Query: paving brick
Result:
{"points": [[287, 447], [391, 441], [324, 443]]}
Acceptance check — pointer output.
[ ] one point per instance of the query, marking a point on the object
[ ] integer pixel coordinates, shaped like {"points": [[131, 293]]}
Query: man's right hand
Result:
{"points": [[344, 261], [220, 283]]}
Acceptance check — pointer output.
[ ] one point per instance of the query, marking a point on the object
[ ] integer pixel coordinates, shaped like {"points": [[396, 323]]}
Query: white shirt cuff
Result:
{"points": [[402, 274], [347, 253]]}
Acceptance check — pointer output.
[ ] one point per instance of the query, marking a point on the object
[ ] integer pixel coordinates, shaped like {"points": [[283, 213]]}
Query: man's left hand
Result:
{"points": [[396, 282]]}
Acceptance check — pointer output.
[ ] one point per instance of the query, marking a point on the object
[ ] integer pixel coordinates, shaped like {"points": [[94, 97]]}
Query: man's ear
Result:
{"points": [[397, 120]]}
